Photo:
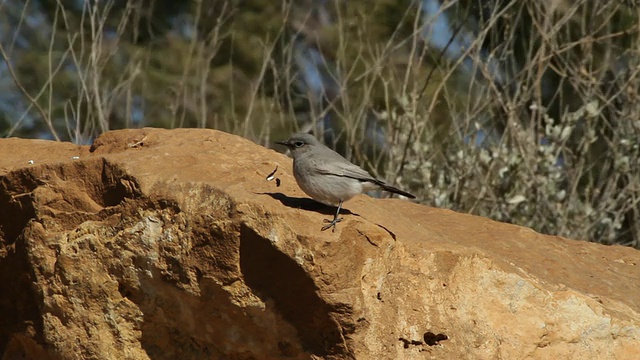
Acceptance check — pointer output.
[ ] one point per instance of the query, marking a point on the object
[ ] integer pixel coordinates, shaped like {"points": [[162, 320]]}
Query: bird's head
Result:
{"points": [[300, 143]]}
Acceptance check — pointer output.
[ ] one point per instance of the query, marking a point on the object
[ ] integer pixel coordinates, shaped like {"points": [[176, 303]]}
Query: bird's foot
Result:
{"points": [[331, 224]]}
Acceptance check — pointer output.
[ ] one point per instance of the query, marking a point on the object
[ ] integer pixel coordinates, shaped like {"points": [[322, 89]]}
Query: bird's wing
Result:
{"points": [[336, 165], [346, 169]]}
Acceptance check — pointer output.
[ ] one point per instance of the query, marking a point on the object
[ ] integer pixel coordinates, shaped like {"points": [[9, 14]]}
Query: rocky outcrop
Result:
{"points": [[158, 244]]}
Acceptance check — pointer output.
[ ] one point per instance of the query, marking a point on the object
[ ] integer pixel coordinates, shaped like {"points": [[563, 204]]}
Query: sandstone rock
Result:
{"points": [[158, 244]]}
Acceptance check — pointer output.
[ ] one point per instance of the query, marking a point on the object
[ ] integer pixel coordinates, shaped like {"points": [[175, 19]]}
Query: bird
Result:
{"points": [[329, 178]]}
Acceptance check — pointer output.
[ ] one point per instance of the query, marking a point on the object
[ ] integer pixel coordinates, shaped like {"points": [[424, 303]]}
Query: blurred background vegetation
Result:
{"points": [[520, 110]]}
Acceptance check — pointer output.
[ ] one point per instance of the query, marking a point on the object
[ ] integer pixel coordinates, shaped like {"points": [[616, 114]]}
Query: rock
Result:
{"points": [[170, 244]]}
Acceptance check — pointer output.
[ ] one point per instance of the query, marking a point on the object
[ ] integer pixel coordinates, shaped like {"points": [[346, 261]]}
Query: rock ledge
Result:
{"points": [[167, 244]]}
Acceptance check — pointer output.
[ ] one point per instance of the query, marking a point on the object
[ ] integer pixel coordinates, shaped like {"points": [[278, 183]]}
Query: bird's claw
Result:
{"points": [[331, 224]]}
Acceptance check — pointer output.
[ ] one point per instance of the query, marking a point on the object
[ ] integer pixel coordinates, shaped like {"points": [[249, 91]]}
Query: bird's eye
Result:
{"points": [[298, 144]]}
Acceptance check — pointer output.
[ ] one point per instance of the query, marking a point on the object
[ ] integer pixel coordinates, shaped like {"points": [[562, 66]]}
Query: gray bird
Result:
{"points": [[329, 178]]}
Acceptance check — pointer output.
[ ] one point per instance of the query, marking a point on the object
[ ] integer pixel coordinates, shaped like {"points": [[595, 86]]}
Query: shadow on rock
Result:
{"points": [[307, 204]]}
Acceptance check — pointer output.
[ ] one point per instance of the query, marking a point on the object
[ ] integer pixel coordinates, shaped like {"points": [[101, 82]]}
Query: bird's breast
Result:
{"points": [[327, 189]]}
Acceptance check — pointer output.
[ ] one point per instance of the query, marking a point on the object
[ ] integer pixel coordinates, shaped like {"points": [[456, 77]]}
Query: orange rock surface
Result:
{"points": [[170, 244]]}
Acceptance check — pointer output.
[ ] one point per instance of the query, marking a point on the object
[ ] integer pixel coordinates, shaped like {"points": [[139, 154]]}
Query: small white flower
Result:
{"points": [[516, 199]]}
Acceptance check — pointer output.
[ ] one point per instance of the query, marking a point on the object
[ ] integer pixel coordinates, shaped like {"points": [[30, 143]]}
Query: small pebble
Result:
{"points": [[272, 175]]}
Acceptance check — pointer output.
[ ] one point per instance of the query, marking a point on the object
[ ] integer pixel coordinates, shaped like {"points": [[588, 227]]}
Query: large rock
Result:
{"points": [[158, 244]]}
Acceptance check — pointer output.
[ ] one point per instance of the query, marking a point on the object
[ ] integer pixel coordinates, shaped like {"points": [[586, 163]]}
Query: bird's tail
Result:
{"points": [[396, 190]]}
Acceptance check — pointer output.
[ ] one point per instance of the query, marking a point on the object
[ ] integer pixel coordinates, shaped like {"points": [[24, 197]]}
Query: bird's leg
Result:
{"points": [[335, 221]]}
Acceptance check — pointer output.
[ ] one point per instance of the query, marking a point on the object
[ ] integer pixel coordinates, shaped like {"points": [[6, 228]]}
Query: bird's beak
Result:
{"points": [[285, 143]]}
